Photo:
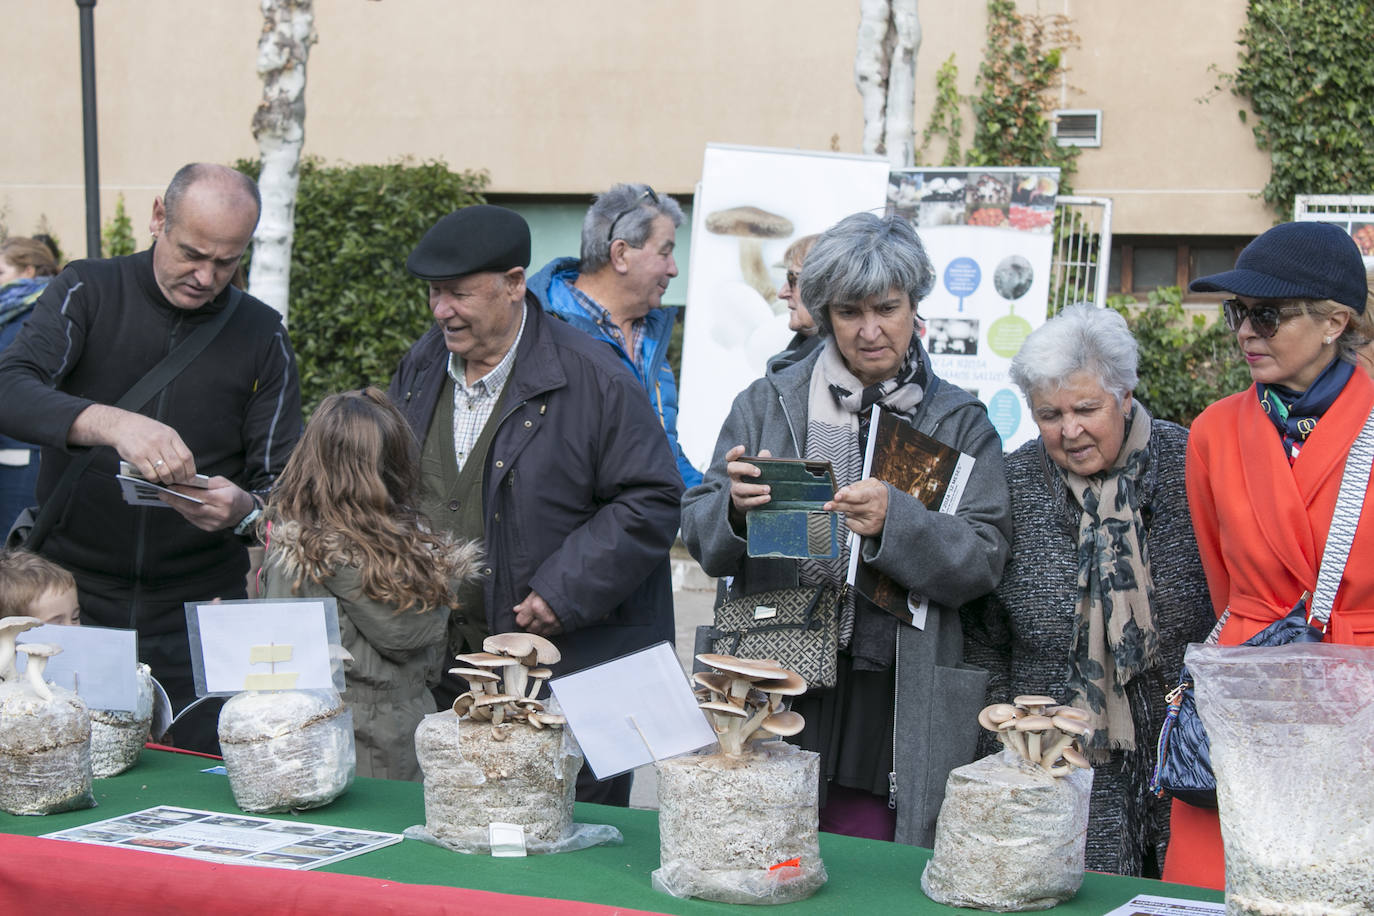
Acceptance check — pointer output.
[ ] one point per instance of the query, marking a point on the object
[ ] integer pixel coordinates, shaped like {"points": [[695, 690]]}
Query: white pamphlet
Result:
{"points": [[632, 710]]}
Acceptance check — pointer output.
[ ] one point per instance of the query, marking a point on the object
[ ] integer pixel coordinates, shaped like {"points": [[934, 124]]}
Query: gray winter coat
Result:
{"points": [[952, 559]]}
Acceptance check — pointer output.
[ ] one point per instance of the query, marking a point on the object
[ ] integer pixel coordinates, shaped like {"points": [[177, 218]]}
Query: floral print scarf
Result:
{"points": [[1116, 637]]}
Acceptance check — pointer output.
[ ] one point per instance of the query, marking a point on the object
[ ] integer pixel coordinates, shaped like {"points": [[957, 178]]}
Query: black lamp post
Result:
{"points": [[86, 10]]}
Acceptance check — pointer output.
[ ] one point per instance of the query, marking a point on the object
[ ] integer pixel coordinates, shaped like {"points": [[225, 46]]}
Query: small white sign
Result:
{"points": [[632, 710], [507, 840], [264, 644], [98, 664]]}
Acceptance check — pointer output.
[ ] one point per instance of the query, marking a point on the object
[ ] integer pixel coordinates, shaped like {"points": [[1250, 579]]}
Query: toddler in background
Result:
{"points": [[342, 522], [31, 586]]}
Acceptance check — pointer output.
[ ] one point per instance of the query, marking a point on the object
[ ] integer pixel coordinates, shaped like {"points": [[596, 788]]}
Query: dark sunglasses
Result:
{"points": [[792, 277], [647, 195], [1264, 318]]}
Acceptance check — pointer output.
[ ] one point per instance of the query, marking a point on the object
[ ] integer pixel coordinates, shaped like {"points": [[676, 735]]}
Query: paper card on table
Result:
{"points": [[264, 644], [98, 663], [1152, 905], [632, 710], [507, 840]]}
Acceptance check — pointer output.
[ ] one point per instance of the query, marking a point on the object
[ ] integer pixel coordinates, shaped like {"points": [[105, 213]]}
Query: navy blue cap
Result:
{"points": [[472, 240], [1296, 261]]}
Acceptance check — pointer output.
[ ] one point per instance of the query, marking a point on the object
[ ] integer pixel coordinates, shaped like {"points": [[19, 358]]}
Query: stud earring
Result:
{"points": [[1327, 341]]}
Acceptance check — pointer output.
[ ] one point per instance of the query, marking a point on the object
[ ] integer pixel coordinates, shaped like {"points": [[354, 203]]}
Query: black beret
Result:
{"points": [[472, 240]]}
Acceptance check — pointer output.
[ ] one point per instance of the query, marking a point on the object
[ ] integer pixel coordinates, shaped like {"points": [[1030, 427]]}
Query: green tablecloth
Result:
{"points": [[865, 876]]}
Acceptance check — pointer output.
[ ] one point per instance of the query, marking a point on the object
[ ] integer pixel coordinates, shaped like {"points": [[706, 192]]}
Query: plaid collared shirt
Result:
{"points": [[473, 404], [607, 324]]}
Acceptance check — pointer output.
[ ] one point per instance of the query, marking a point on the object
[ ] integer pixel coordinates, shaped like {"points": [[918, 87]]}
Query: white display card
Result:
{"points": [[98, 664], [264, 644], [632, 710]]}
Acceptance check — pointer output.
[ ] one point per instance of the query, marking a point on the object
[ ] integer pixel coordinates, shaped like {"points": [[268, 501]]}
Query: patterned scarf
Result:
{"points": [[18, 296], [836, 429], [1295, 413], [1115, 638]]}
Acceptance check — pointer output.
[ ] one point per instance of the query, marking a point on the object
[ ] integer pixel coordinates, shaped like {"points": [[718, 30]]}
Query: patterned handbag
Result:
{"points": [[797, 627]]}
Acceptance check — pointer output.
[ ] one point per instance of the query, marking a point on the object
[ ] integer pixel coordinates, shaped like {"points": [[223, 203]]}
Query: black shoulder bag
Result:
{"points": [[32, 527]]}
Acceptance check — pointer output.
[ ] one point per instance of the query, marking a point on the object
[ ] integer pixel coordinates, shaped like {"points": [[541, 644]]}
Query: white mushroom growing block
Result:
{"points": [[287, 749], [118, 736], [1010, 837], [477, 773], [45, 751], [723, 823]]}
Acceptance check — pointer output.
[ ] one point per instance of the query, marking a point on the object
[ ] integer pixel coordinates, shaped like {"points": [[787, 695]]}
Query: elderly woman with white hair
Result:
{"points": [[1104, 588], [903, 711]]}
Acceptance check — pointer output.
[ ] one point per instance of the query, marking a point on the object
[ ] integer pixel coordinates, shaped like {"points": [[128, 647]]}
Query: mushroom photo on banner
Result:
{"points": [[45, 734], [752, 225], [739, 825], [1012, 830]]}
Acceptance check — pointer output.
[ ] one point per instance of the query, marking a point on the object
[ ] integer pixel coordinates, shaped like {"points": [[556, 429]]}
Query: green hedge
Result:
{"points": [[354, 309], [1186, 362]]}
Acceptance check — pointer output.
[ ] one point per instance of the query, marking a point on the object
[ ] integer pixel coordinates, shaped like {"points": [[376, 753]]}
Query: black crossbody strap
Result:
{"points": [[157, 378]]}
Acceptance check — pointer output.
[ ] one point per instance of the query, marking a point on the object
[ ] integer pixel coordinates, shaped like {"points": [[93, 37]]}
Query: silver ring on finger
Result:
{"points": [[158, 463]]}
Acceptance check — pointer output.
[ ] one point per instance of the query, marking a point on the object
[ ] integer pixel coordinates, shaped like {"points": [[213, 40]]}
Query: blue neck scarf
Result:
{"points": [[1295, 413], [18, 296]]}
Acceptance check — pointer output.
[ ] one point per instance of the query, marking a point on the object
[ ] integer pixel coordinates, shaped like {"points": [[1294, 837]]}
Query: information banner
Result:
{"points": [[752, 204], [989, 232]]}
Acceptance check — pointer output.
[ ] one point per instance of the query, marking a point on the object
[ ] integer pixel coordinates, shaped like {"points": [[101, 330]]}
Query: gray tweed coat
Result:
{"points": [[1022, 632]]}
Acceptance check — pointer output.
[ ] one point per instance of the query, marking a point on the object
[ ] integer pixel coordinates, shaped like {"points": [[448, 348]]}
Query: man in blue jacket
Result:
{"points": [[614, 292]]}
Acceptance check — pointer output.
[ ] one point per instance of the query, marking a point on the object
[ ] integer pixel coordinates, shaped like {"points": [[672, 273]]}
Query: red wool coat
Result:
{"points": [[1261, 527]]}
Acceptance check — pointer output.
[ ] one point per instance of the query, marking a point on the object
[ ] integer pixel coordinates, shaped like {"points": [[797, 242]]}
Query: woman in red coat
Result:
{"points": [[1264, 465]]}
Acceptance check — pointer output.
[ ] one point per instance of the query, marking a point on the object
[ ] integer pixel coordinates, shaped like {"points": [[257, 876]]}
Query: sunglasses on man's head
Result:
{"points": [[647, 194], [1265, 317]]}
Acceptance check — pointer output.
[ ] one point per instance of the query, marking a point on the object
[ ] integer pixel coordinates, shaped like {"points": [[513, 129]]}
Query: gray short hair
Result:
{"points": [[1081, 338], [628, 210], [860, 256]]}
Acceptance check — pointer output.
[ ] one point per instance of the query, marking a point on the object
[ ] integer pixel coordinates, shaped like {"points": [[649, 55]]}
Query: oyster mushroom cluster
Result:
{"points": [[10, 628], [504, 680], [743, 698], [1041, 732]]}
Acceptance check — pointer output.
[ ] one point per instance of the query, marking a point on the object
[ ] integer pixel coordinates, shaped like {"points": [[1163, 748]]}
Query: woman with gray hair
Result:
{"points": [[902, 713], [1098, 502]]}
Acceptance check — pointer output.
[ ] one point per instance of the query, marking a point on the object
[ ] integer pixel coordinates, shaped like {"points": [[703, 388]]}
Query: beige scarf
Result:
{"points": [[1115, 638]]}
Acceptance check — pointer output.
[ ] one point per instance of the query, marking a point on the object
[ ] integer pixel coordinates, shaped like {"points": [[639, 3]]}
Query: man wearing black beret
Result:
{"points": [[537, 440]]}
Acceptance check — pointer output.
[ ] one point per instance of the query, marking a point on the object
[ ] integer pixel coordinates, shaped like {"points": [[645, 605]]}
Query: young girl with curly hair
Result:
{"points": [[341, 522]]}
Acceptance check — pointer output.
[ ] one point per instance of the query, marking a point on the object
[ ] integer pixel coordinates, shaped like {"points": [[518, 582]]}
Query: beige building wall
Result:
{"points": [[569, 97]]}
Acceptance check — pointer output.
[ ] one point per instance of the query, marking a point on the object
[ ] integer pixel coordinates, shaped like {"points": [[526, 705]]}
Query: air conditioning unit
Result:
{"points": [[1078, 126]]}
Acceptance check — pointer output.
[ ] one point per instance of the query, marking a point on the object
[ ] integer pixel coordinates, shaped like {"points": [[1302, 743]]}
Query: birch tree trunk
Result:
{"points": [[288, 31], [885, 72]]}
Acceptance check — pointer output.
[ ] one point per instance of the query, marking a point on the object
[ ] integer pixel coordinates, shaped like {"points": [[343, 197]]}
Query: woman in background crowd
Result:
{"points": [[799, 320], [26, 266], [897, 684], [1264, 465], [1102, 481]]}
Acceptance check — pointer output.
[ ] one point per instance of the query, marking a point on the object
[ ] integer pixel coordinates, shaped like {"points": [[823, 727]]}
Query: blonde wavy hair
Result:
{"points": [[348, 496]]}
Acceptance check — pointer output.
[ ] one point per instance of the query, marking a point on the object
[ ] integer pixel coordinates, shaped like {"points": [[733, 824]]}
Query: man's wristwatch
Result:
{"points": [[245, 525]]}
